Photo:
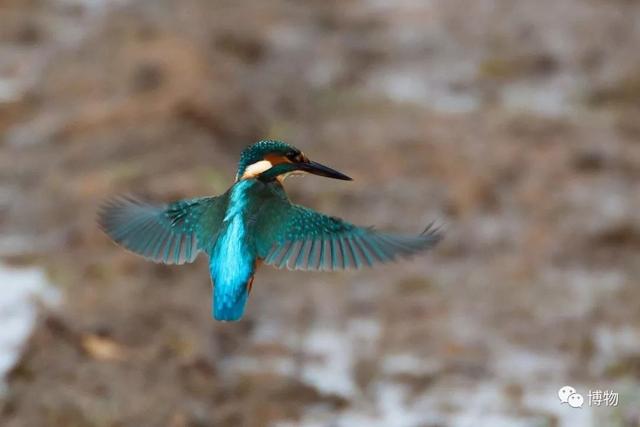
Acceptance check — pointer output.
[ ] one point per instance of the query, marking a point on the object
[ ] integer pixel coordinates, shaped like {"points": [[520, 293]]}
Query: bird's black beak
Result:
{"points": [[322, 170]]}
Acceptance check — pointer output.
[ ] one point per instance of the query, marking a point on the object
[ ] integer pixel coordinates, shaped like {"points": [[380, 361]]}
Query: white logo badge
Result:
{"points": [[569, 395]]}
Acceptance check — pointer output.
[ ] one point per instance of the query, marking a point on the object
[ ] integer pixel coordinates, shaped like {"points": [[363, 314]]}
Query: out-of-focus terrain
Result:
{"points": [[515, 124]]}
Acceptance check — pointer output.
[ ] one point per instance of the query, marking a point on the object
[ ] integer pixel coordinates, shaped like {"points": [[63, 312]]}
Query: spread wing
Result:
{"points": [[171, 233], [299, 238]]}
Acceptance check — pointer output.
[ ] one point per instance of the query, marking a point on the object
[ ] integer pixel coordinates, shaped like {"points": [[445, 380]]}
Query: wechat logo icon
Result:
{"points": [[570, 396]]}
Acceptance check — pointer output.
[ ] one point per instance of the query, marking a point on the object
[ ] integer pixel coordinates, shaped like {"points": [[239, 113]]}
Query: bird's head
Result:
{"points": [[271, 159]]}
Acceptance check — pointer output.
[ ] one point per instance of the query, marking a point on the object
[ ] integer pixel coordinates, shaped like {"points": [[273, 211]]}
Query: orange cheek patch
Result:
{"points": [[276, 159]]}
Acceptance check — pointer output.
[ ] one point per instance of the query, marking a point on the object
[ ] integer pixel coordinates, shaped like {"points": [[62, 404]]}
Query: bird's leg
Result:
{"points": [[250, 285], [257, 264]]}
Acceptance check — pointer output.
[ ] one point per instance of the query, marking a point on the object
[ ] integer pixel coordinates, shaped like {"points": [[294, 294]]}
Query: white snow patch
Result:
{"points": [[546, 399], [10, 90], [332, 372], [18, 289], [513, 363], [613, 344], [398, 364]]}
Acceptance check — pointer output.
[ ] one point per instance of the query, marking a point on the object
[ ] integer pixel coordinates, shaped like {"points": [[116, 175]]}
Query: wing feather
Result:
{"points": [[299, 238], [171, 233]]}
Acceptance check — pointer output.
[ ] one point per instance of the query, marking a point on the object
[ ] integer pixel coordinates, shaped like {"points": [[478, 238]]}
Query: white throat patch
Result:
{"points": [[255, 169]]}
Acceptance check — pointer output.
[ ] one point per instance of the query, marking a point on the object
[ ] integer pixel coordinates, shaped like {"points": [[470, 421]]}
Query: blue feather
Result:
{"points": [[171, 234], [232, 260]]}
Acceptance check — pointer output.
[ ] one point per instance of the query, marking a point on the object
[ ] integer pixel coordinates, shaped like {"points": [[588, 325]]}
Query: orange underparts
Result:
{"points": [[250, 285]]}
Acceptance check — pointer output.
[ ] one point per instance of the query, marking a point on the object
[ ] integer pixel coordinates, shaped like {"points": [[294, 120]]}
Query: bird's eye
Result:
{"points": [[295, 156]]}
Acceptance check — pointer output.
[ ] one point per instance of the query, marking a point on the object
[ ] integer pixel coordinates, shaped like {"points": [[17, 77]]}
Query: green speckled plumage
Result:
{"points": [[299, 238], [167, 233], [254, 220]]}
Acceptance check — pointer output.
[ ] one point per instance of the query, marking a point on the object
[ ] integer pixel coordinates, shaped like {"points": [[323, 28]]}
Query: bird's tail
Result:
{"points": [[229, 306], [229, 301]]}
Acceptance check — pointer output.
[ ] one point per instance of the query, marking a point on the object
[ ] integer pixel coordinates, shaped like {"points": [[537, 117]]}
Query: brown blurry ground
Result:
{"points": [[514, 124]]}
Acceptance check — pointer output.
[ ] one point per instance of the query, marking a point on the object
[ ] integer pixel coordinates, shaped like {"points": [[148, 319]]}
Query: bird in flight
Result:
{"points": [[254, 222]]}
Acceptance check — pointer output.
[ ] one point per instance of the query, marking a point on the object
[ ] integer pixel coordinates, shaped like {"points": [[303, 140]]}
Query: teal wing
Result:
{"points": [[171, 233], [299, 238]]}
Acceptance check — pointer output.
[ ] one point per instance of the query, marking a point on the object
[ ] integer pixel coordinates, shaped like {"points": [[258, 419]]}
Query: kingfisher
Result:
{"points": [[252, 223]]}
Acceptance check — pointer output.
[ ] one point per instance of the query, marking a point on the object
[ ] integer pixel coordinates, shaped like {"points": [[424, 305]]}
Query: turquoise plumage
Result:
{"points": [[253, 222]]}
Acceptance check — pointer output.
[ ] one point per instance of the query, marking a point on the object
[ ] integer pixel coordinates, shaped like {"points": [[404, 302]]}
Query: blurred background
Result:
{"points": [[516, 124]]}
